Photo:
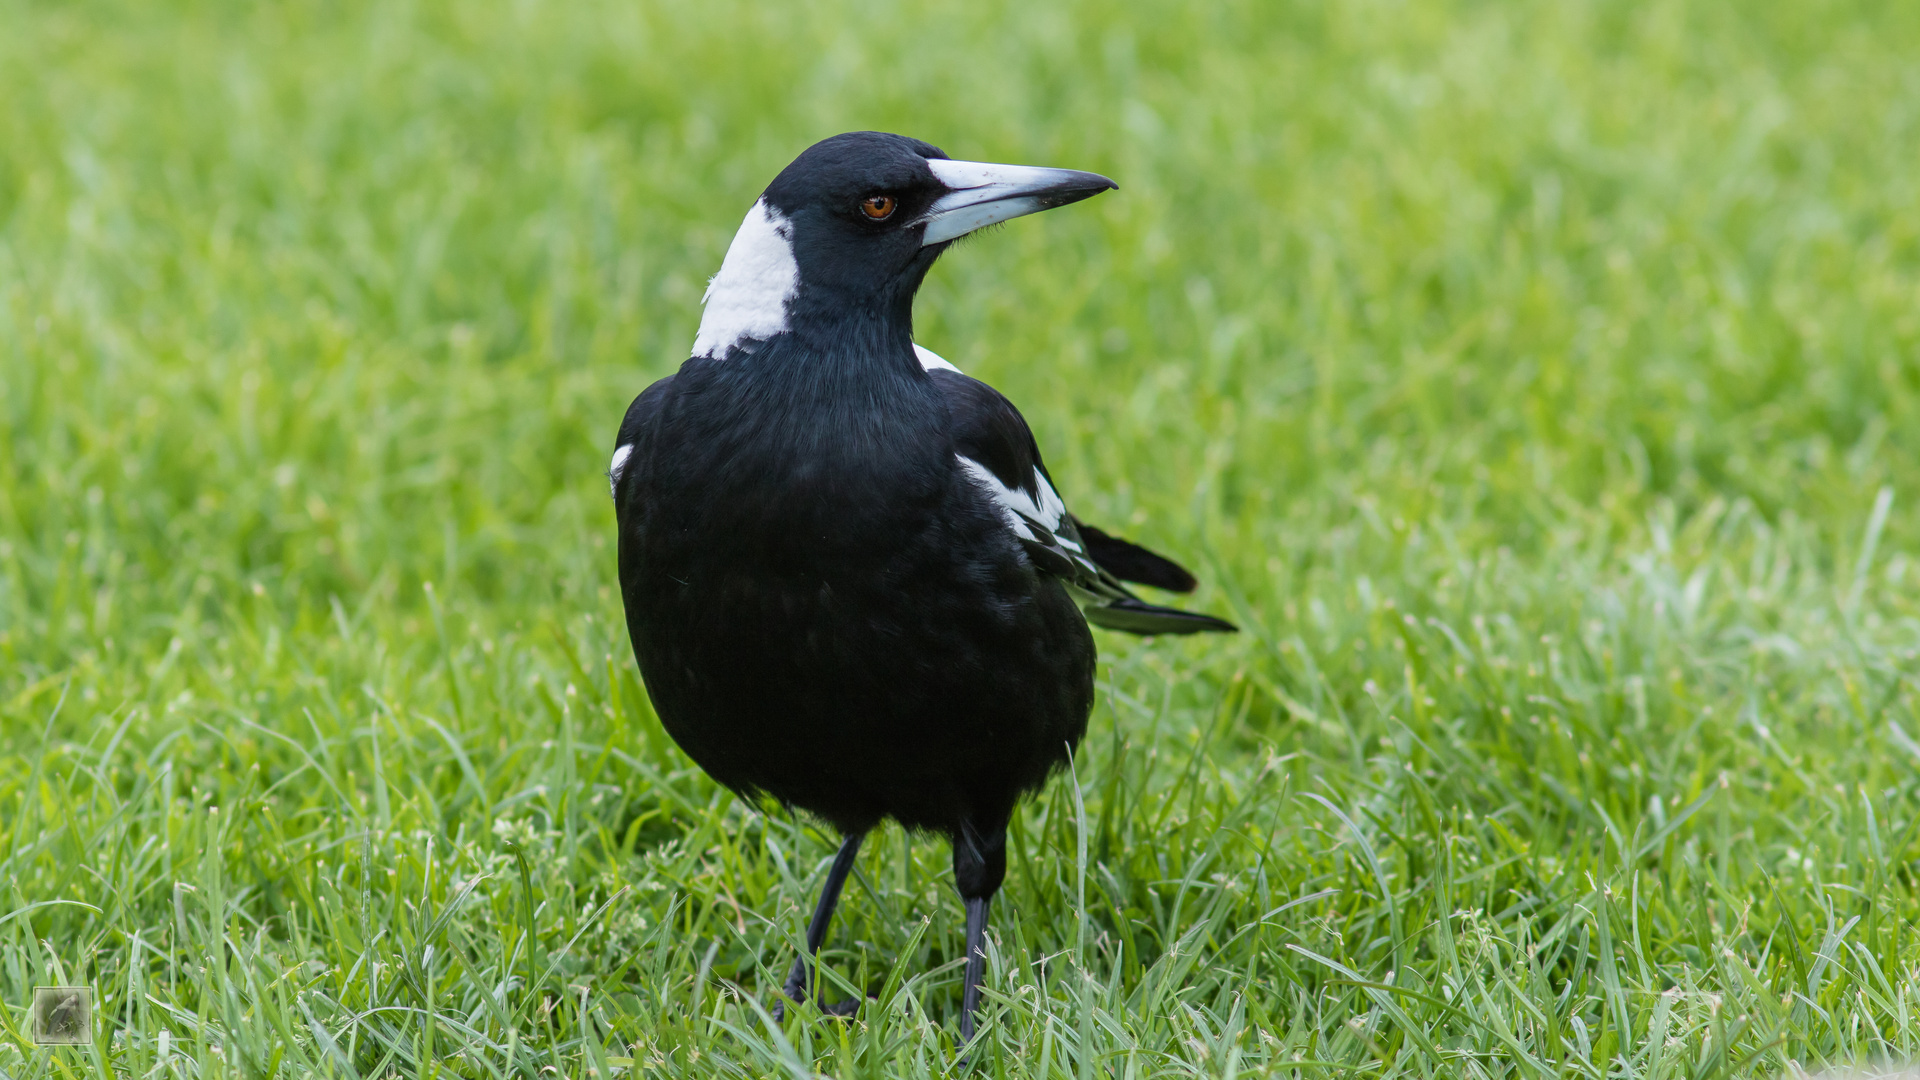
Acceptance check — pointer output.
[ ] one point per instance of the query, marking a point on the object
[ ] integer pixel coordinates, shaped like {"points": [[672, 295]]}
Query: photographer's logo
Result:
{"points": [[62, 1015]]}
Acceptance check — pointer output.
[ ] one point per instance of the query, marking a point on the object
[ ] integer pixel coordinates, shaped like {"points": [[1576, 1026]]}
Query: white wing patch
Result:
{"points": [[1018, 507], [616, 466], [747, 299], [930, 360]]}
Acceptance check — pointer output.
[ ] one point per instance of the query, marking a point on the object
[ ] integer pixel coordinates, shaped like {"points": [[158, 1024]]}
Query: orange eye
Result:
{"points": [[877, 207]]}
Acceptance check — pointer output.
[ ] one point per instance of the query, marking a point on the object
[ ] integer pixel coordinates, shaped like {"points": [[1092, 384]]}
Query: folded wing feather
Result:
{"points": [[997, 452]]}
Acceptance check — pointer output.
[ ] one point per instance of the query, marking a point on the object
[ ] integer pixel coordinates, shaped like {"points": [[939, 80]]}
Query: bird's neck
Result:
{"points": [[872, 341], [838, 343], [793, 417]]}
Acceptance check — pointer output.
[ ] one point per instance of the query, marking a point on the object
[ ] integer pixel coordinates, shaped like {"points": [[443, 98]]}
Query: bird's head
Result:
{"points": [[852, 226]]}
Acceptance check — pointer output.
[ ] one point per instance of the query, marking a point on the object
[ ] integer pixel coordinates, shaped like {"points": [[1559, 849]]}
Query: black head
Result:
{"points": [[855, 202], [850, 228]]}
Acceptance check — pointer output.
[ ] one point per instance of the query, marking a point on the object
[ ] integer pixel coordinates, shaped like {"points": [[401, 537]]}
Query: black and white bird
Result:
{"points": [[848, 578]]}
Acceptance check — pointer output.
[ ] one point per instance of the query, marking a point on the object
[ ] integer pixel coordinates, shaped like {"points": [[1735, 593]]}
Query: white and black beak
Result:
{"points": [[981, 194]]}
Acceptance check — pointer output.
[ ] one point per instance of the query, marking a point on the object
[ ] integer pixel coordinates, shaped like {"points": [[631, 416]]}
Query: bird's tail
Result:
{"points": [[1135, 616]]}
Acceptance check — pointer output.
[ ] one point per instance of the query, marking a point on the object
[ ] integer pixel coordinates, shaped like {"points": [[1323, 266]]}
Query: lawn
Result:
{"points": [[1538, 385]]}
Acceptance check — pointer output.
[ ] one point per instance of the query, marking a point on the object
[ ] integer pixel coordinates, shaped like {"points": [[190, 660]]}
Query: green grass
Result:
{"points": [[1538, 384]]}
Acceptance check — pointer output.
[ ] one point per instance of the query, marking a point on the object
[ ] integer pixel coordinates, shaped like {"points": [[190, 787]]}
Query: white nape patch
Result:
{"points": [[929, 360], [747, 299], [1016, 506], [615, 467]]}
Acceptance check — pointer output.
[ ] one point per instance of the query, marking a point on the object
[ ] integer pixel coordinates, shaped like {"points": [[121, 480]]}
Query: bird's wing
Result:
{"points": [[997, 451]]}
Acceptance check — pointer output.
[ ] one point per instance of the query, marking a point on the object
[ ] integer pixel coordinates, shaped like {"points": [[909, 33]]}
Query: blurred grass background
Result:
{"points": [[1537, 383]]}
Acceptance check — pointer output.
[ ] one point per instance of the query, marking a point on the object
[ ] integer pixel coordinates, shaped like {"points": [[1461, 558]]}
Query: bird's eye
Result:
{"points": [[877, 207]]}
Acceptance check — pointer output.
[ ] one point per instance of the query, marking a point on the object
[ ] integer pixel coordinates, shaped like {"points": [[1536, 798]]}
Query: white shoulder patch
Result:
{"points": [[615, 466], [1016, 506], [929, 360], [747, 299]]}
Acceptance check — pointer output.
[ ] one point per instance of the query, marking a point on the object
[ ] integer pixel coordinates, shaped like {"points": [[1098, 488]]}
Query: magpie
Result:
{"points": [[849, 580]]}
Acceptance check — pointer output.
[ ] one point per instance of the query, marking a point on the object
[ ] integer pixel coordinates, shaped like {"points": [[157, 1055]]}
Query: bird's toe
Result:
{"points": [[839, 1010]]}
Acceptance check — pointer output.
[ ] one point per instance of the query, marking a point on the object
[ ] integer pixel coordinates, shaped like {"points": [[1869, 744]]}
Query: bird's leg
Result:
{"points": [[976, 963], [796, 987], [979, 866]]}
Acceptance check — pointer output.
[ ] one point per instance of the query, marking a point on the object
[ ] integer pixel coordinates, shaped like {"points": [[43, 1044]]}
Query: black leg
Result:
{"points": [[797, 981], [976, 963], [979, 866]]}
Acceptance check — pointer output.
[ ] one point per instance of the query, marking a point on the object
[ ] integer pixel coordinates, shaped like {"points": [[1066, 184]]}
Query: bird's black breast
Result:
{"points": [[824, 607]]}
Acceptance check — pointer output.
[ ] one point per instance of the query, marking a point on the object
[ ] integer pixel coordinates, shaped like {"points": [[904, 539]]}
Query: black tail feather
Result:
{"points": [[1138, 617], [1129, 561]]}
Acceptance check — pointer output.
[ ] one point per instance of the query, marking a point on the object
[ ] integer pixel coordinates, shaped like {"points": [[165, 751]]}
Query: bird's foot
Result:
{"points": [[839, 1010]]}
